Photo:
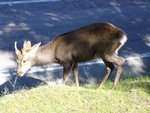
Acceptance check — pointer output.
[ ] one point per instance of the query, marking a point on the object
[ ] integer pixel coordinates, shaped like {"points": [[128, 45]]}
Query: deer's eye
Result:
{"points": [[24, 61]]}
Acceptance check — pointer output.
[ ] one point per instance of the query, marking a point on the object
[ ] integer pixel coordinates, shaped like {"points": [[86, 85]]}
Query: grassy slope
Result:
{"points": [[131, 96]]}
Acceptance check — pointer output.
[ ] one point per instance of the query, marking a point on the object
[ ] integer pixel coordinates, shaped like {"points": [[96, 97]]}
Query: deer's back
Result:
{"points": [[87, 42]]}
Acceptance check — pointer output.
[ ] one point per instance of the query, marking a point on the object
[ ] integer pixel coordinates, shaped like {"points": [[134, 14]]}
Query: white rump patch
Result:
{"points": [[122, 42]]}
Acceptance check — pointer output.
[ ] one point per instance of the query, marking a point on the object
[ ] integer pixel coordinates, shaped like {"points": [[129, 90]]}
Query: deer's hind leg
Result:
{"points": [[119, 61], [109, 69]]}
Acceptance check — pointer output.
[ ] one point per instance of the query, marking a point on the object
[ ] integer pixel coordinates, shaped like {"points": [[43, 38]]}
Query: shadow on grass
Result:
{"points": [[142, 83], [12, 86]]}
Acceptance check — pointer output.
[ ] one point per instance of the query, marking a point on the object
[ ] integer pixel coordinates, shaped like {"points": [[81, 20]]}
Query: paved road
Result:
{"points": [[42, 21]]}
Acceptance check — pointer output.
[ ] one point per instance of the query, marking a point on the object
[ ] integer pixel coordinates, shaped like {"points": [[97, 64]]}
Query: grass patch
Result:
{"points": [[130, 96]]}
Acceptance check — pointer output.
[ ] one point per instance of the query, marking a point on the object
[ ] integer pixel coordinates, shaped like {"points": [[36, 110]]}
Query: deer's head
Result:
{"points": [[25, 56]]}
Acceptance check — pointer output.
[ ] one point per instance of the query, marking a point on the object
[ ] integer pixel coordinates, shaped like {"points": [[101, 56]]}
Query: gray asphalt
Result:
{"points": [[43, 21]]}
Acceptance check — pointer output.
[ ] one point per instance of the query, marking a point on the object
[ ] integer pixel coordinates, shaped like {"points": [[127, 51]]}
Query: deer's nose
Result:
{"points": [[20, 73]]}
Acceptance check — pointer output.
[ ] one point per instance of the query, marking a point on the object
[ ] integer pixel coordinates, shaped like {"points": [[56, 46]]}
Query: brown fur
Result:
{"points": [[99, 40], [88, 42]]}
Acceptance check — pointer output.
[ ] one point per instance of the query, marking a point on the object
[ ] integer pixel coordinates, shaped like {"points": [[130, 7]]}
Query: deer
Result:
{"points": [[97, 40]]}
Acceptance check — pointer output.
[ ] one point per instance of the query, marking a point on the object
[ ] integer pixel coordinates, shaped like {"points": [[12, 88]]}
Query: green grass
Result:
{"points": [[130, 96]]}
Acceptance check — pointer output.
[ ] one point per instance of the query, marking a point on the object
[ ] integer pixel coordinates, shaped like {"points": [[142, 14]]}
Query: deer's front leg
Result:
{"points": [[67, 69], [75, 72]]}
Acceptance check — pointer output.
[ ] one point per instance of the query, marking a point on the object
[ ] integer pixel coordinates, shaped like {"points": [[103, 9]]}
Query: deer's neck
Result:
{"points": [[45, 55]]}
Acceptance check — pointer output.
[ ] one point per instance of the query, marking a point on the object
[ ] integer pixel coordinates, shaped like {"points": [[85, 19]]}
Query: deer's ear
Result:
{"points": [[35, 48], [27, 45]]}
